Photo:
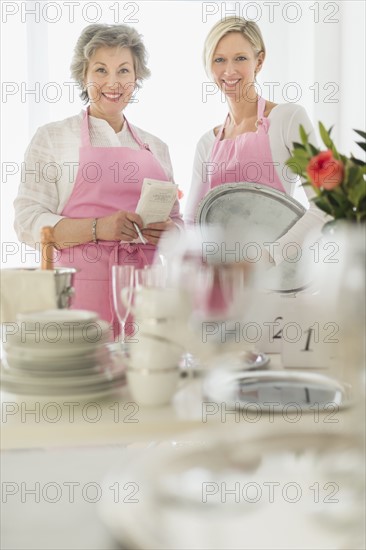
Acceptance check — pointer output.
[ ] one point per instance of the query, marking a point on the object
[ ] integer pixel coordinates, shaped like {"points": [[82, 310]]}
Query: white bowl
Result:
{"points": [[151, 387]]}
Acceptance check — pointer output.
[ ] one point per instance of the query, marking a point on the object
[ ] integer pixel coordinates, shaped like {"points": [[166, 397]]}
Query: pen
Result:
{"points": [[143, 240]]}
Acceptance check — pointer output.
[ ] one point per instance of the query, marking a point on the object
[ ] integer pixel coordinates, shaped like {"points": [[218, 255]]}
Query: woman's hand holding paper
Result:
{"points": [[118, 226], [154, 231]]}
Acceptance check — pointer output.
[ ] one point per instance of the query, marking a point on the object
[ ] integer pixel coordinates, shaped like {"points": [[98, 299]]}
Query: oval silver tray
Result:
{"points": [[252, 213], [251, 208], [276, 390]]}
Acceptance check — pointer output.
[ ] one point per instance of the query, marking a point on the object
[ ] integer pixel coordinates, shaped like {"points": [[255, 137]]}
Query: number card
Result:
{"points": [[310, 334], [264, 323]]}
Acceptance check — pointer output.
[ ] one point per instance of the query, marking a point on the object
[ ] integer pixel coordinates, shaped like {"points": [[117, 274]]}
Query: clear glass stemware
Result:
{"points": [[122, 278]]}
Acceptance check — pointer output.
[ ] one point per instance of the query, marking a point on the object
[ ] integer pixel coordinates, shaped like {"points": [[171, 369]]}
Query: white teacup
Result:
{"points": [[151, 387], [151, 302], [154, 351]]}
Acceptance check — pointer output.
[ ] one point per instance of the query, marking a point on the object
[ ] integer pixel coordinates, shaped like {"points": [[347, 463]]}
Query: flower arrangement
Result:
{"points": [[338, 181]]}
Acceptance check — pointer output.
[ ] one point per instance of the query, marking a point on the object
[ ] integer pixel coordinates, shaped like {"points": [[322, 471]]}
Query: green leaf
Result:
{"points": [[357, 192], [301, 153], [325, 136], [314, 150], [357, 161], [360, 133], [354, 182], [323, 204], [350, 172], [304, 136], [336, 200], [297, 145], [301, 164], [328, 142], [362, 145], [297, 165], [344, 159]]}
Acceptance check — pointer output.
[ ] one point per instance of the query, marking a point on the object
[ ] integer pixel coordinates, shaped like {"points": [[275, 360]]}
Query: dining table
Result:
{"points": [[56, 453]]}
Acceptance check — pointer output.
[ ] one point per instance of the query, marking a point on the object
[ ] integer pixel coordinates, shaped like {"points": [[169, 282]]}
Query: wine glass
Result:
{"points": [[122, 277], [154, 276]]}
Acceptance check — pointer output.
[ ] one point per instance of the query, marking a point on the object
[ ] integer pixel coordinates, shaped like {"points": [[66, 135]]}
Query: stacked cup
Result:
{"points": [[160, 319]]}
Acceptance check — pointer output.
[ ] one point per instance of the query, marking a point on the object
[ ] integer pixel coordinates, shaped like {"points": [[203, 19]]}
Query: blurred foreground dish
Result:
{"points": [[283, 490]]}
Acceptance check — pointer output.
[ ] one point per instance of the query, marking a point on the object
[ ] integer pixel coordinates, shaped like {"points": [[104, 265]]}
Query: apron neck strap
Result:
{"points": [[85, 135], [136, 137], [221, 130], [261, 105]]}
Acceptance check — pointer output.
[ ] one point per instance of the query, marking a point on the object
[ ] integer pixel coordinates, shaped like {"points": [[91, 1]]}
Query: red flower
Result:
{"points": [[180, 194], [325, 171]]}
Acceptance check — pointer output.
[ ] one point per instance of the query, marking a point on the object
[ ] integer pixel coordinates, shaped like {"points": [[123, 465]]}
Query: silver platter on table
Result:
{"points": [[275, 390], [253, 213]]}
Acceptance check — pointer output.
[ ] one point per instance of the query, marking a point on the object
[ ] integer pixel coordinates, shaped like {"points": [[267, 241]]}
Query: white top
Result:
{"points": [[283, 131], [50, 167]]}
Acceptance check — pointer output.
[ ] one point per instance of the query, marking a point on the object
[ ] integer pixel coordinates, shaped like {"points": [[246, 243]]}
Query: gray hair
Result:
{"points": [[248, 29], [97, 36]]}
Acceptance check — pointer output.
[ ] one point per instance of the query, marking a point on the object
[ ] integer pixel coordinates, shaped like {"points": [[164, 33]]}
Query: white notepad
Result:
{"points": [[156, 200]]}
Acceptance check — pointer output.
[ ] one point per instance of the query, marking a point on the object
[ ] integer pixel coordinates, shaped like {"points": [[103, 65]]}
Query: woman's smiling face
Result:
{"points": [[234, 65], [110, 81]]}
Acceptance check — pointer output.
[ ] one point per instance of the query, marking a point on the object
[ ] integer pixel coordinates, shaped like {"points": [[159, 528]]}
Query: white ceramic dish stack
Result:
{"points": [[60, 353]]}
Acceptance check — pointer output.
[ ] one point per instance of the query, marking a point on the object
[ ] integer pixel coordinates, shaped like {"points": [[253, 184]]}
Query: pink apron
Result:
{"points": [[108, 179], [248, 157]]}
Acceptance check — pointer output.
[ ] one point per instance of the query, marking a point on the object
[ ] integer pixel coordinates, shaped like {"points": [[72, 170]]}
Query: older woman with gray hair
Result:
{"points": [[88, 170]]}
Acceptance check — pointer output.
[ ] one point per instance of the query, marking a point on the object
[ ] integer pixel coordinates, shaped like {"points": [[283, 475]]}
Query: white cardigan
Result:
{"points": [[51, 164]]}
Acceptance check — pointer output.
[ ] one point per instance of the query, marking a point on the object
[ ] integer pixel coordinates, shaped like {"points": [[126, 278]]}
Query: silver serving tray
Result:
{"points": [[251, 208], [253, 213], [276, 390]]}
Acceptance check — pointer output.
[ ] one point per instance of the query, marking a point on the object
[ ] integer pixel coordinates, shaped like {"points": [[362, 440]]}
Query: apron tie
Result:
{"points": [[134, 249], [263, 123]]}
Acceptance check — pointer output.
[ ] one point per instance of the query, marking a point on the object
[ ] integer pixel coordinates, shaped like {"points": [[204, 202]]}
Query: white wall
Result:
{"points": [[315, 56]]}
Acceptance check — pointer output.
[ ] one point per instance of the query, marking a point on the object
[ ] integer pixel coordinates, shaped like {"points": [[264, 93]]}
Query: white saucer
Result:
{"points": [[58, 316], [110, 374], [51, 353], [57, 337], [86, 395], [70, 384], [53, 364]]}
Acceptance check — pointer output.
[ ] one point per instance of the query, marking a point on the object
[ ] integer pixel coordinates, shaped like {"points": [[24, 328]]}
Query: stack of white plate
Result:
{"points": [[60, 352]]}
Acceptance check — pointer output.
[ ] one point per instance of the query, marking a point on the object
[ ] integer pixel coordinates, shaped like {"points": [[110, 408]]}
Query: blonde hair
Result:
{"points": [[248, 29], [96, 36]]}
